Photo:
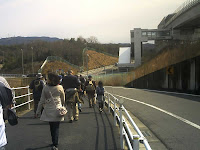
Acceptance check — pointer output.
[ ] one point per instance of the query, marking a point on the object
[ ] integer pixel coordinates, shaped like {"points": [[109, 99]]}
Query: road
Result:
{"points": [[93, 131], [173, 118]]}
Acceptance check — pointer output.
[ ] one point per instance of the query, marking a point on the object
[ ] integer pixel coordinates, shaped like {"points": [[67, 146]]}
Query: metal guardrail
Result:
{"points": [[184, 7], [28, 95], [11, 75], [125, 132]]}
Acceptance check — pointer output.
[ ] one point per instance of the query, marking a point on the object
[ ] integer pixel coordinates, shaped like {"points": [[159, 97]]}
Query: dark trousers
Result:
{"points": [[101, 104], [36, 101], [54, 128]]}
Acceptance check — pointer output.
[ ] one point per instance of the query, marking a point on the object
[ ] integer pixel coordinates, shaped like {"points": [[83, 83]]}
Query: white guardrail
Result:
{"points": [[115, 105], [28, 95]]}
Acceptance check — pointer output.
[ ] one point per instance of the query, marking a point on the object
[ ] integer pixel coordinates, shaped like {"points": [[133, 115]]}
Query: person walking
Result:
{"points": [[81, 92], [71, 86], [100, 95], [90, 87], [49, 114], [6, 100], [37, 86]]}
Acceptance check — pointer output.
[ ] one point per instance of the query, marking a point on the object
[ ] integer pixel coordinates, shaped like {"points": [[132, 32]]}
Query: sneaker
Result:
{"points": [[54, 148]]}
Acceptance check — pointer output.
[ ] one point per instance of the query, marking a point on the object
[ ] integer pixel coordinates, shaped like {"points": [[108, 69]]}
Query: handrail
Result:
{"points": [[125, 132], [181, 9], [28, 94]]}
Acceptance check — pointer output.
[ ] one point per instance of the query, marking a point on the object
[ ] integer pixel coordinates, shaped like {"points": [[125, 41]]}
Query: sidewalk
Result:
{"points": [[93, 131]]}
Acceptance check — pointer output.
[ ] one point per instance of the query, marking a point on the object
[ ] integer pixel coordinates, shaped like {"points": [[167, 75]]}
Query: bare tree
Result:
{"points": [[92, 39]]}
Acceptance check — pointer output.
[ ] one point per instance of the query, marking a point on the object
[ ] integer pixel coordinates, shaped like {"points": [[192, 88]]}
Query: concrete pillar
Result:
{"points": [[137, 46], [179, 80], [165, 83], [192, 75]]}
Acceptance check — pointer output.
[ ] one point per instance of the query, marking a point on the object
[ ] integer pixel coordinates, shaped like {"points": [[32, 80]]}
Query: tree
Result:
{"points": [[92, 39]]}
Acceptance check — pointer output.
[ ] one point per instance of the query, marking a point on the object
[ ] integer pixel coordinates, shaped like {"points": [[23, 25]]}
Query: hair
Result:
{"points": [[53, 78], [70, 71], [100, 83]]}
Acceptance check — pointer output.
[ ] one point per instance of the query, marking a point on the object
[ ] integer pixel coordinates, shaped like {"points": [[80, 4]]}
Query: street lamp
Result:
{"points": [[32, 60], [22, 62]]}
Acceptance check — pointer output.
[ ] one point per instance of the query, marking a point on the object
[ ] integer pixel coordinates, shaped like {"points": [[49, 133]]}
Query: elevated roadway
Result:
{"points": [[173, 118]]}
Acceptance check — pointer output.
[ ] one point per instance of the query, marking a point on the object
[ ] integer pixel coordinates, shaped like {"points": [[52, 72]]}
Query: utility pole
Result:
{"points": [[22, 63], [87, 56], [3, 57], [32, 60]]}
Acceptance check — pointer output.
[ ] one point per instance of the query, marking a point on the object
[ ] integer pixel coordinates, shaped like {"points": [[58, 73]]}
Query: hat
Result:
{"points": [[39, 75]]}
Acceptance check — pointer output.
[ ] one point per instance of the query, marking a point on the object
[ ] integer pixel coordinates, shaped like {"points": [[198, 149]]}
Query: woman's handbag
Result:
{"points": [[61, 111], [12, 117]]}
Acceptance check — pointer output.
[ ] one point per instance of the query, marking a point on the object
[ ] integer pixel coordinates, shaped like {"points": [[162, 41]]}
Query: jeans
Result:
{"points": [[54, 128]]}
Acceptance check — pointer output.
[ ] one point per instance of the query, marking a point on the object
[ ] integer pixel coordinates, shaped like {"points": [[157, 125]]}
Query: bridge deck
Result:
{"points": [[92, 131]]}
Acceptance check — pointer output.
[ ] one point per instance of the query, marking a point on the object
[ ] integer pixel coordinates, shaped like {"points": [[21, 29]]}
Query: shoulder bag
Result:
{"points": [[60, 111]]}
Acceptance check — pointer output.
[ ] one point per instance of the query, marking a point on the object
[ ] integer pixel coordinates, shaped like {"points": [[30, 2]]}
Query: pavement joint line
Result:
{"points": [[164, 111]]}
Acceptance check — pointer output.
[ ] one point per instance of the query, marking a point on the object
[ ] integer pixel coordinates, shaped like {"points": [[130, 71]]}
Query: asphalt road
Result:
{"points": [[173, 118], [93, 131]]}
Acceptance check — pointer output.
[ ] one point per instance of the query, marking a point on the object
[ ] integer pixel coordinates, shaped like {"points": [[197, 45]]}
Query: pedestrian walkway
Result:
{"points": [[93, 131]]}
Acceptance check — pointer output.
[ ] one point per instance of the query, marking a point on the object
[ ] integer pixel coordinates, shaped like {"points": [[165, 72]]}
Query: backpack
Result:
{"points": [[37, 85], [90, 87]]}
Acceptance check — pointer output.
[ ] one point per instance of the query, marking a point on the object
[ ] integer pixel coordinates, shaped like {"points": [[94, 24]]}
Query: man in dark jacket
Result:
{"points": [[37, 86], [71, 86]]}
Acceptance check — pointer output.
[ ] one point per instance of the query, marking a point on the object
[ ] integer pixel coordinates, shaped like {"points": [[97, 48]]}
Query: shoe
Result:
{"points": [[54, 148], [80, 110], [70, 121]]}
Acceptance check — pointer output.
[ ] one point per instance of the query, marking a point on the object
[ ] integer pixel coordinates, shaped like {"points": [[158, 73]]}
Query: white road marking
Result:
{"points": [[155, 91], [172, 92], [164, 111]]}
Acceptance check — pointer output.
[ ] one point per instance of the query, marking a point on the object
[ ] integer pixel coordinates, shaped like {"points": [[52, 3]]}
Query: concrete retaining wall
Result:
{"points": [[186, 78]]}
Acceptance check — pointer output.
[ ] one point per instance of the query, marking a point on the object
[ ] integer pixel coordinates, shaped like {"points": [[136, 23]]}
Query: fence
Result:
{"points": [[20, 96], [115, 105]]}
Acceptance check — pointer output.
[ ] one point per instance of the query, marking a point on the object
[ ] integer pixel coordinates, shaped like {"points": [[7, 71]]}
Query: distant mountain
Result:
{"points": [[22, 40]]}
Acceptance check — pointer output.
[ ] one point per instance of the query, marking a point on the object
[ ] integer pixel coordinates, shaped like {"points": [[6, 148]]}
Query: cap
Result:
{"points": [[39, 75]]}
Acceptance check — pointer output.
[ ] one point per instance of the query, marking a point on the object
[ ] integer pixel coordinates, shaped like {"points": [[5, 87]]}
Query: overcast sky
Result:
{"points": [[109, 20]]}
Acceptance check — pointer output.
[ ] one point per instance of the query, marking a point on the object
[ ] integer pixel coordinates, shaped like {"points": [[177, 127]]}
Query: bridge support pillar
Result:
{"points": [[192, 75]]}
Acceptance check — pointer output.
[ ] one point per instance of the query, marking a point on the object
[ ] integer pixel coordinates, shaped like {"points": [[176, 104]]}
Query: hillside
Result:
{"points": [[25, 40], [96, 60], [59, 67]]}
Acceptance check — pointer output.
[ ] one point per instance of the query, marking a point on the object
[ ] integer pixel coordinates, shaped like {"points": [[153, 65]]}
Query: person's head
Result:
{"points": [[53, 79], [70, 72], [39, 76], [89, 77], [100, 84]]}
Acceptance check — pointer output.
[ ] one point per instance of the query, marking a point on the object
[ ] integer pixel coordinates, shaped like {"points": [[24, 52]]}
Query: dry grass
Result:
{"points": [[97, 60], [56, 65]]}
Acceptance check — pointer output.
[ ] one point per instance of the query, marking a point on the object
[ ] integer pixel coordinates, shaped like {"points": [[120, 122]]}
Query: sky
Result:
{"points": [[108, 20]]}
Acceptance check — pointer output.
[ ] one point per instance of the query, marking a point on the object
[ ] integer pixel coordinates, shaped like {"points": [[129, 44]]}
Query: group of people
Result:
{"points": [[68, 91]]}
